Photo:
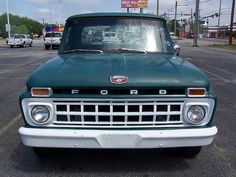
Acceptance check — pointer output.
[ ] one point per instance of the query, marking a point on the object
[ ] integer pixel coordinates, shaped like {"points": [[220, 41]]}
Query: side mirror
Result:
{"points": [[177, 49]]}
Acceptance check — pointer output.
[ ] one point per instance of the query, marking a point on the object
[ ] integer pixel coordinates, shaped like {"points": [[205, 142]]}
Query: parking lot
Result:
{"points": [[218, 159]]}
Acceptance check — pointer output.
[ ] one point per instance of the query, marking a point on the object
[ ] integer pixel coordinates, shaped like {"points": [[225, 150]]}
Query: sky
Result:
{"points": [[49, 9]]}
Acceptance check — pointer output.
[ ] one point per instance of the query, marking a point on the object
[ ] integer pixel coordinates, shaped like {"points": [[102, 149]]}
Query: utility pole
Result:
{"points": [[43, 21], [175, 31], [158, 7], [192, 29], [59, 11], [141, 10], [196, 28], [51, 24], [199, 19], [218, 30], [8, 26], [231, 23], [207, 27]]}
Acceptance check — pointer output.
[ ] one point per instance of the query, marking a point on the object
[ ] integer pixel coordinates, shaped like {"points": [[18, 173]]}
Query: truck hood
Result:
{"points": [[95, 70]]}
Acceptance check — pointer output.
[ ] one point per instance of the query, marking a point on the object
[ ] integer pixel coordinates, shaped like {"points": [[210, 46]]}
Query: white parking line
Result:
{"points": [[218, 76], [188, 59], [9, 125], [13, 78], [10, 64]]}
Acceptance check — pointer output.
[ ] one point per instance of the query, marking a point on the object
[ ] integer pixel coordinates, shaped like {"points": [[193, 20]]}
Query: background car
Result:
{"points": [[7, 39], [190, 35], [20, 40], [110, 37], [174, 37], [52, 39]]}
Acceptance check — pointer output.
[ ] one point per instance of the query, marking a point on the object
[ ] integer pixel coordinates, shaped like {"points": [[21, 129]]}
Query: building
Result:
{"points": [[211, 31]]}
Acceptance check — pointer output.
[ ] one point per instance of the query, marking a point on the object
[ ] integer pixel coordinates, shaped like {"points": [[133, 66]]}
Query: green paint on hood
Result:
{"points": [[94, 70]]}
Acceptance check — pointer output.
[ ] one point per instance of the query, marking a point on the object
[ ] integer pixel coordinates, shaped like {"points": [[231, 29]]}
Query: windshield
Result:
{"points": [[111, 34], [17, 36]]}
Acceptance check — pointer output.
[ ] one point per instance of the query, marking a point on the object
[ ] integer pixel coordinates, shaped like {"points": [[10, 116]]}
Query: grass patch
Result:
{"points": [[228, 47], [2, 40]]}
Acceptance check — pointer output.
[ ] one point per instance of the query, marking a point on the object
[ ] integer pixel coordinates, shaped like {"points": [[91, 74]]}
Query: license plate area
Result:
{"points": [[119, 140]]}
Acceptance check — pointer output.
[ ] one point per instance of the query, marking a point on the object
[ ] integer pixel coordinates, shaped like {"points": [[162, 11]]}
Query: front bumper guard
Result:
{"points": [[116, 139]]}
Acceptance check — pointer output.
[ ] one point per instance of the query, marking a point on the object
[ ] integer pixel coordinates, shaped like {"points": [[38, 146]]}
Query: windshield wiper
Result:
{"points": [[129, 50], [83, 51]]}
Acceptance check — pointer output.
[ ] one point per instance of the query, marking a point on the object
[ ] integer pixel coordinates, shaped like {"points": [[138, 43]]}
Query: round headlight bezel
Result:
{"points": [[37, 108], [191, 121]]}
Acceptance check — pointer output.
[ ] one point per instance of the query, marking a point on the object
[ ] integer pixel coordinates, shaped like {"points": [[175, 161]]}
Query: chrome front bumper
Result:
{"points": [[15, 43], [52, 43], [116, 139]]}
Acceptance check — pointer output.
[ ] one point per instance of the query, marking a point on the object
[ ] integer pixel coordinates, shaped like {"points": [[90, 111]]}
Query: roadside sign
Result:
{"points": [[142, 3], [54, 28], [134, 3], [8, 27], [129, 3]]}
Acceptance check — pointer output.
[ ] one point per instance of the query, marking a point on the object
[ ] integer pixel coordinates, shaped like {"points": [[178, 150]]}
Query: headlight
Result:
{"points": [[196, 114], [40, 114]]}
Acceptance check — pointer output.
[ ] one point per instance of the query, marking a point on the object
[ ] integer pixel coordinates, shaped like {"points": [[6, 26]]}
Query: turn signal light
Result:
{"points": [[41, 92], [196, 92]]}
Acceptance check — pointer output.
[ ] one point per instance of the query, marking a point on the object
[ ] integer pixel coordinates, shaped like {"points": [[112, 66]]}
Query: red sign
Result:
{"points": [[142, 3], [129, 3], [134, 3]]}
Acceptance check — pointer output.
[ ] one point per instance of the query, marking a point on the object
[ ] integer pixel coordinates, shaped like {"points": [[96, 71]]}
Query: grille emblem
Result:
{"points": [[119, 79]]}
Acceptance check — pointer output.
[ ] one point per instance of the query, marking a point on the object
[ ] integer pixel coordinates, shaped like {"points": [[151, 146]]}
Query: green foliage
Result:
{"points": [[171, 25], [201, 27], [22, 29], [19, 25]]}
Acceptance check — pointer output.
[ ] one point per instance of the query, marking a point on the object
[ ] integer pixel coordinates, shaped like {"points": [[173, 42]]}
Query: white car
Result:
{"points": [[7, 39], [110, 37], [20, 40], [173, 37], [52, 39]]}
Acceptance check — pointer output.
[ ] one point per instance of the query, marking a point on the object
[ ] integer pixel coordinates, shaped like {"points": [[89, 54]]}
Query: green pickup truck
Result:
{"points": [[117, 82]]}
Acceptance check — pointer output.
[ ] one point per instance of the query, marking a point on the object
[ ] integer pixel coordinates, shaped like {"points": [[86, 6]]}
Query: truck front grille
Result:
{"points": [[118, 114], [121, 91]]}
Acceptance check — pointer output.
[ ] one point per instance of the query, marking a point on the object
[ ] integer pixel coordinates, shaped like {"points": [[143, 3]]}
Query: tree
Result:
{"points": [[19, 25], [201, 27], [171, 25], [23, 29]]}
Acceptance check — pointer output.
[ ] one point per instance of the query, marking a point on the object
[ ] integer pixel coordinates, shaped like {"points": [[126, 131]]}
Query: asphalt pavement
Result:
{"points": [[216, 160]]}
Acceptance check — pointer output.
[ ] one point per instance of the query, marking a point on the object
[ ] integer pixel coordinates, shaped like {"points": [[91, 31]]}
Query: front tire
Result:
{"points": [[41, 152], [46, 47], [189, 152]]}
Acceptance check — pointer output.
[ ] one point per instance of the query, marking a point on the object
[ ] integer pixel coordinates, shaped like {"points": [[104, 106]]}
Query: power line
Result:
{"points": [[210, 13], [228, 14], [186, 4], [228, 9], [193, 2]]}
